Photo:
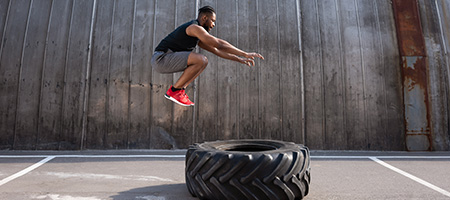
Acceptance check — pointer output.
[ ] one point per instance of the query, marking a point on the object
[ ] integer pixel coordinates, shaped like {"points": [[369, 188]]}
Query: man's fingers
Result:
{"points": [[251, 63], [253, 55], [260, 56], [249, 59]]}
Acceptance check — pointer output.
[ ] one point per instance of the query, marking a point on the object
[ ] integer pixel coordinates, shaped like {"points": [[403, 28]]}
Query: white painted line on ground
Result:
{"points": [[182, 156], [25, 171], [382, 157], [411, 157], [425, 183], [341, 157], [93, 156]]}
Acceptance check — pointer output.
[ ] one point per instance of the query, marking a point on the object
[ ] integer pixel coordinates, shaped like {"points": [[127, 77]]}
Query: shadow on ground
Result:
{"points": [[158, 192]]}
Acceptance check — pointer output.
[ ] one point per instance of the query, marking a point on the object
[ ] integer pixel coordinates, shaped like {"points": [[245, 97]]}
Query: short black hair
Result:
{"points": [[206, 10]]}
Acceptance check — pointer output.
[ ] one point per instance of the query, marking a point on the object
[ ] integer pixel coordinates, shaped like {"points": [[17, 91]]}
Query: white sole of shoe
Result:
{"points": [[177, 102]]}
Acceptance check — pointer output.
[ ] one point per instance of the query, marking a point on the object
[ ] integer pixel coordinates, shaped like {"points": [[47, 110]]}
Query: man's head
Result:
{"points": [[207, 17]]}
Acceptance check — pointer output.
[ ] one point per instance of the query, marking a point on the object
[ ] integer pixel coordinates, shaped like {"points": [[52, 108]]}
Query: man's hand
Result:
{"points": [[249, 59], [253, 55]]}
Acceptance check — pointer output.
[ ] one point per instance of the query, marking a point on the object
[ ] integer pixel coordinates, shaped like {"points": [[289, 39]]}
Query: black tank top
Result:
{"points": [[178, 40]]}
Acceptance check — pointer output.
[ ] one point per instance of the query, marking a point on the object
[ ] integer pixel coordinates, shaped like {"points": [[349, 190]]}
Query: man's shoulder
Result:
{"points": [[192, 22], [193, 30]]}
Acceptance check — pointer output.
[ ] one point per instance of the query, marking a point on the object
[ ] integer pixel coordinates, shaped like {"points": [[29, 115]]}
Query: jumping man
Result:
{"points": [[175, 53]]}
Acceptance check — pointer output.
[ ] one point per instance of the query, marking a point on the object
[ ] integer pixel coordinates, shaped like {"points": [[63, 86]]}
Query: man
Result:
{"points": [[174, 53]]}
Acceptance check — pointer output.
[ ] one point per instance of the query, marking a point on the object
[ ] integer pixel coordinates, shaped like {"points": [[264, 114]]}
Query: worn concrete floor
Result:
{"points": [[159, 175]]}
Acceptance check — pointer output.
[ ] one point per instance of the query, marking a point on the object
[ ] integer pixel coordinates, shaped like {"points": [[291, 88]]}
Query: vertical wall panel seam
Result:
{"points": [[259, 71], [87, 77], [151, 79], [65, 75], [4, 30], [149, 128], [280, 97], [216, 125], [384, 67], [172, 121], [130, 81], [447, 64], [111, 39], [441, 27], [238, 110], [20, 72], [44, 62], [302, 79], [324, 142], [343, 74], [194, 135], [366, 121], [442, 38], [149, 122]]}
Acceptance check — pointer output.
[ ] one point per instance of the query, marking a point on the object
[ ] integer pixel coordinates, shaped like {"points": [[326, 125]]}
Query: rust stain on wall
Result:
{"points": [[414, 73], [409, 30]]}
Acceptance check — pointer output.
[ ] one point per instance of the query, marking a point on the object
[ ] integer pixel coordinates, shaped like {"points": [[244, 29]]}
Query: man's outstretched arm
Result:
{"points": [[220, 47], [244, 60]]}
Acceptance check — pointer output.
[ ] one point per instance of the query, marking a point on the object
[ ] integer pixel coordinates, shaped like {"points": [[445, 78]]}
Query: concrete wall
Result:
{"points": [[75, 74], [435, 17]]}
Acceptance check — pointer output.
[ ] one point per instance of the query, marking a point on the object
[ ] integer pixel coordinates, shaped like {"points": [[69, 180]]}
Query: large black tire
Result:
{"points": [[248, 169]]}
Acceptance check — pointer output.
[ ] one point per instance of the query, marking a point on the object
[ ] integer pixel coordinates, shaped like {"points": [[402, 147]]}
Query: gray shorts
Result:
{"points": [[170, 62]]}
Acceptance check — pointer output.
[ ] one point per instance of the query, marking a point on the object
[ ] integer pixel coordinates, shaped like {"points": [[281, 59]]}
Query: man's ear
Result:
{"points": [[204, 18]]}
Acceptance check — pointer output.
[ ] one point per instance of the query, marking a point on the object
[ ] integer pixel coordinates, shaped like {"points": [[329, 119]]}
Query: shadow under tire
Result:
{"points": [[248, 169]]}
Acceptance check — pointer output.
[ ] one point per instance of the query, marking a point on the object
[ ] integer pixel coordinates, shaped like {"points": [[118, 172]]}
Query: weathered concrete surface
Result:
{"points": [[92, 175]]}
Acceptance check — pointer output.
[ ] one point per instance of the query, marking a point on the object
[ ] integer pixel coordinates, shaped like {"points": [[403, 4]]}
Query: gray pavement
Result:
{"points": [[159, 175]]}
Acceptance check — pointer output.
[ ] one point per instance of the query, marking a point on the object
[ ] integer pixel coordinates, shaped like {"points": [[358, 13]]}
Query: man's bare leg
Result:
{"points": [[193, 78], [196, 64]]}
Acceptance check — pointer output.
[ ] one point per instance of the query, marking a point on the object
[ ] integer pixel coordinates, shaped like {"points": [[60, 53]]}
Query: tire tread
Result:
{"points": [[224, 175]]}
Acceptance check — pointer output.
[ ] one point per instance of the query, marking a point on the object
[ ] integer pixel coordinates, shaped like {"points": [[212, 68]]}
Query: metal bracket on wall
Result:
{"points": [[414, 75]]}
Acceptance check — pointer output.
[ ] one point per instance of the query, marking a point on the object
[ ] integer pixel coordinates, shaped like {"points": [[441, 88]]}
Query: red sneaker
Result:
{"points": [[180, 97]]}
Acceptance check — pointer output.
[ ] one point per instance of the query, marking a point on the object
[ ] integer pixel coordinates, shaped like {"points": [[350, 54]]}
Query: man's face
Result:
{"points": [[210, 22]]}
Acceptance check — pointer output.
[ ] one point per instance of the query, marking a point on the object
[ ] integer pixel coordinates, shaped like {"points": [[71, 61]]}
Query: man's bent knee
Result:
{"points": [[199, 59], [204, 60]]}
